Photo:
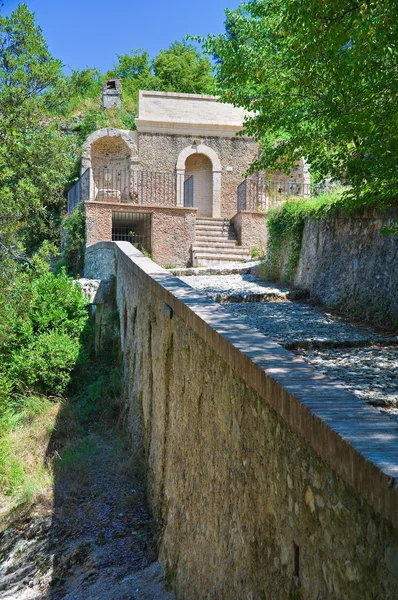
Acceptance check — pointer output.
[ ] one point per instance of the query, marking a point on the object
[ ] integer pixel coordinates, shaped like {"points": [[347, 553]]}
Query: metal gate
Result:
{"points": [[188, 191], [133, 227]]}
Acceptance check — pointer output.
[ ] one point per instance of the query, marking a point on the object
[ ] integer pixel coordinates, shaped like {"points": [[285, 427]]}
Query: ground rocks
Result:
{"points": [[362, 360]]}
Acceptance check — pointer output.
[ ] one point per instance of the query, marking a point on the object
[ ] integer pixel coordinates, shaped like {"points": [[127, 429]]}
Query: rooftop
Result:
{"points": [[195, 114]]}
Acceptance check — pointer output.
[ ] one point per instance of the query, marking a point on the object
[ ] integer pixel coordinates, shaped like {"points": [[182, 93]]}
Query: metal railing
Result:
{"points": [[80, 191], [258, 194], [133, 187]]}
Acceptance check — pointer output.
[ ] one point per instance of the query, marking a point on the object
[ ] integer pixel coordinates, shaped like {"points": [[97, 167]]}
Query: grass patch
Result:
{"points": [[43, 438], [23, 469]]}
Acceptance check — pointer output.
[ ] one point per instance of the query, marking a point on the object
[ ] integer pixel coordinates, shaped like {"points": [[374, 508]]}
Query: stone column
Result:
{"points": [[180, 186], [216, 194]]}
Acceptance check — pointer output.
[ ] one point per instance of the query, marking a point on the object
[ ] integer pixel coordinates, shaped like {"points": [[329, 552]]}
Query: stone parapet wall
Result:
{"points": [[349, 261], [266, 479], [172, 235], [99, 261], [251, 229], [159, 152]]}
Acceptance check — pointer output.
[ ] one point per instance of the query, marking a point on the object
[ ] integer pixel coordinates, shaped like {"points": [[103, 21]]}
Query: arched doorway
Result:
{"points": [[200, 168], [202, 164]]}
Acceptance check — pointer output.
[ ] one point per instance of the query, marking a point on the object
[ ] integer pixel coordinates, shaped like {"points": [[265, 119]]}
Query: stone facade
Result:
{"points": [[111, 94], [161, 151], [172, 235], [262, 475], [178, 136], [99, 149]]}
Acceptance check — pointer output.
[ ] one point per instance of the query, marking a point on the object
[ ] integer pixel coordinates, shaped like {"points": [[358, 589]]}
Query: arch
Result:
{"points": [[199, 149], [112, 133], [216, 174]]}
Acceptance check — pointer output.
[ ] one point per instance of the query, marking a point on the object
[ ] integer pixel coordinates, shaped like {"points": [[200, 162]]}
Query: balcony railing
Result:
{"points": [[258, 194], [133, 187]]}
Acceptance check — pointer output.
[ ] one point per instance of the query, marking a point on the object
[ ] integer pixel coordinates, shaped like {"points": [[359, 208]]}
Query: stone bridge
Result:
{"points": [[266, 478]]}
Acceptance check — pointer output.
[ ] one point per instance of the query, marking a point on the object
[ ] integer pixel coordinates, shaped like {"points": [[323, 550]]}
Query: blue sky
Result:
{"points": [[90, 33]]}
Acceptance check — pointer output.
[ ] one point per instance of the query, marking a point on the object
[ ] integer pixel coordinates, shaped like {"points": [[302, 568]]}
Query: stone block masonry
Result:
{"points": [[350, 262], [251, 229], [159, 153], [266, 479], [172, 235]]}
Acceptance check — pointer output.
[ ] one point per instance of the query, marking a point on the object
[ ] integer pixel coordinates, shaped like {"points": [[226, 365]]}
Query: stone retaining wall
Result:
{"points": [[266, 480], [349, 261]]}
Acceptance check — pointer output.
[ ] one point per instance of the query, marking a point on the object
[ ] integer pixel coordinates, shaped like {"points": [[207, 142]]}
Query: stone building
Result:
{"points": [[175, 186]]}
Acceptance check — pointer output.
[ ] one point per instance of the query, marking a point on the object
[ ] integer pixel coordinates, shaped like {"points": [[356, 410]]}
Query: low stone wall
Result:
{"points": [[266, 479], [349, 261], [172, 235], [251, 229], [99, 261]]}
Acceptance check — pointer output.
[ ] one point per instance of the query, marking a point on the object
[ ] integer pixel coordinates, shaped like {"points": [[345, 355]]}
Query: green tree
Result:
{"points": [[321, 81], [134, 70], [182, 68], [36, 157]]}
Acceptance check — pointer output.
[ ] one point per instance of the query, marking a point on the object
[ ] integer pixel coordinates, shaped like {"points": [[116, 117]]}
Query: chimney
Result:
{"points": [[111, 94]]}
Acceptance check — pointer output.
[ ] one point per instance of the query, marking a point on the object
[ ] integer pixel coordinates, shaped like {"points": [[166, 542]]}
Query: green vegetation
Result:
{"points": [[43, 439], [74, 242], [36, 157], [45, 117], [180, 68], [256, 252], [321, 80], [43, 316], [285, 231]]}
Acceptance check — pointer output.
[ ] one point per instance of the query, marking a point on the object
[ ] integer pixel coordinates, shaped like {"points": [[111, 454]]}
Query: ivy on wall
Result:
{"points": [[285, 232]]}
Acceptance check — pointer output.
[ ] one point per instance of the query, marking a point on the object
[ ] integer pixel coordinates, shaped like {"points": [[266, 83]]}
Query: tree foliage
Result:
{"points": [[181, 68], [35, 156], [321, 81]]}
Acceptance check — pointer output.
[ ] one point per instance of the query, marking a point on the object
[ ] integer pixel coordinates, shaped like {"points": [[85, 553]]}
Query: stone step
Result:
{"points": [[212, 228], [209, 221], [214, 260], [237, 251], [218, 244], [226, 235]]}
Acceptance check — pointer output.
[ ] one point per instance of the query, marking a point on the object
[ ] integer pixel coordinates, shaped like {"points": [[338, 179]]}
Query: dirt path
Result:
{"points": [[90, 537]]}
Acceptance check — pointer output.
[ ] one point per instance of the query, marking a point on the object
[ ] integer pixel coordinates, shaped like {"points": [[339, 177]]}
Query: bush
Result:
{"points": [[46, 364], [39, 335], [57, 304], [74, 226]]}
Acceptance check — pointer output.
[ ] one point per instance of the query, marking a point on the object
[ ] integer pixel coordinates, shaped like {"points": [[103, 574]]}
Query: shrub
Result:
{"points": [[39, 335], [57, 304], [74, 241], [46, 364]]}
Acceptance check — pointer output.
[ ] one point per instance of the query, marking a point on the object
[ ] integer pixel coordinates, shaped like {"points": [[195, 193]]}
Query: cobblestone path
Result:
{"points": [[362, 360]]}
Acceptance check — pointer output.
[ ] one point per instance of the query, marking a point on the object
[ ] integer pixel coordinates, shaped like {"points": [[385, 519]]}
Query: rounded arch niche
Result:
{"points": [[107, 147], [203, 164]]}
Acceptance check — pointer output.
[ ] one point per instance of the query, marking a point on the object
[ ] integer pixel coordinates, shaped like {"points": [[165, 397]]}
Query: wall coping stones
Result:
{"points": [[359, 443], [142, 207], [255, 213]]}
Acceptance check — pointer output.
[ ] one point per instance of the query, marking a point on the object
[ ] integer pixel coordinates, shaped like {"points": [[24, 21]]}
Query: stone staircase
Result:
{"points": [[216, 244]]}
